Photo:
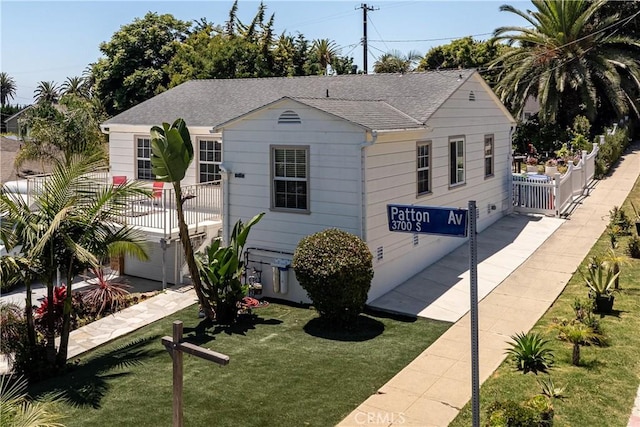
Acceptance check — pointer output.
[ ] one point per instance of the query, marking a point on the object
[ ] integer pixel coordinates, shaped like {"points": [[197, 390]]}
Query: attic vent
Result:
{"points": [[472, 96], [379, 253], [416, 240], [289, 117]]}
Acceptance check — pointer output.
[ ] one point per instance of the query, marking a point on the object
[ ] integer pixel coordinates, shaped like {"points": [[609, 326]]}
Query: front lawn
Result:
{"points": [[601, 391], [283, 371]]}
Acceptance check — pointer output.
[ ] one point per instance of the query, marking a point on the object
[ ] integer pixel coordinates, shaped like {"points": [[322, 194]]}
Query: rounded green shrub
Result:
{"points": [[335, 268]]}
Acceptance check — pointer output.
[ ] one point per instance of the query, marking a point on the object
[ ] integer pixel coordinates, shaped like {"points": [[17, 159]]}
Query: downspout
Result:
{"points": [[510, 175], [363, 182], [226, 174]]}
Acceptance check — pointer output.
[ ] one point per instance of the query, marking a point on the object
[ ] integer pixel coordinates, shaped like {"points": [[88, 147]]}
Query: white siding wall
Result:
{"points": [[334, 181], [122, 149], [391, 179], [152, 269]]}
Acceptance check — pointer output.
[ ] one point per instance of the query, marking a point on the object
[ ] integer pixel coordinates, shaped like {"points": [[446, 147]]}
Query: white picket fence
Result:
{"points": [[552, 195]]}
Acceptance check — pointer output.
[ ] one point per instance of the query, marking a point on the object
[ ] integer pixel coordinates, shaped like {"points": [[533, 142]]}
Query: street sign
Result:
{"points": [[428, 220]]}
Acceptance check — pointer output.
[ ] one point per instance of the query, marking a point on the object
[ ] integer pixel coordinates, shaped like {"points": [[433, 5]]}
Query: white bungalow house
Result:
{"points": [[320, 152]]}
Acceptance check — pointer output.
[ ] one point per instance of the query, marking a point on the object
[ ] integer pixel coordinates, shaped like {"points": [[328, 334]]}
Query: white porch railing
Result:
{"points": [[158, 214], [553, 195]]}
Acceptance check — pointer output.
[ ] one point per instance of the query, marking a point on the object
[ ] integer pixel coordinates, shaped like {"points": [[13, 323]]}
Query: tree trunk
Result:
{"points": [[616, 270], [51, 328], [575, 357], [28, 312], [63, 349], [188, 254]]}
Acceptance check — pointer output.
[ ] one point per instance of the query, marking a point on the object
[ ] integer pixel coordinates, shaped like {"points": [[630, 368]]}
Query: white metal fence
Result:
{"points": [[158, 214], [552, 195]]}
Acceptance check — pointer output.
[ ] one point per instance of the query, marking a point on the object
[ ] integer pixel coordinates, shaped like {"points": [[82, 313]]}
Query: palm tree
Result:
{"points": [[71, 225], [396, 62], [572, 59], [324, 50], [74, 86], [18, 409], [47, 92], [7, 88], [578, 334]]}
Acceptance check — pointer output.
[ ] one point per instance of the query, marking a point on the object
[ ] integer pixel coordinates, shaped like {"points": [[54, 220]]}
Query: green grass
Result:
{"points": [[601, 391], [283, 371]]}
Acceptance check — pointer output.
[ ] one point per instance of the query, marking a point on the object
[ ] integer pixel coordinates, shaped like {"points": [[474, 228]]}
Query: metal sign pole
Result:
{"points": [[473, 291]]}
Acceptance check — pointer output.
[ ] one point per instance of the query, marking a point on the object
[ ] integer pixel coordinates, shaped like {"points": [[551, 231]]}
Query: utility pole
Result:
{"points": [[365, 9]]}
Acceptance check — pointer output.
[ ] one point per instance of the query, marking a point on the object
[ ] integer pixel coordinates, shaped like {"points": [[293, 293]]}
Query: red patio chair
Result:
{"points": [[119, 180], [158, 191]]}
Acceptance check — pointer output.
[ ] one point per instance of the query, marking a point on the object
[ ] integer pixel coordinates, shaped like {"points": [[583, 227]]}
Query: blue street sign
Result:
{"points": [[428, 220]]}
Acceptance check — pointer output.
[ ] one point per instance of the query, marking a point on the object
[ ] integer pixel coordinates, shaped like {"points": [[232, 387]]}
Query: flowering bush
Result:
{"points": [[335, 268], [552, 162], [532, 161]]}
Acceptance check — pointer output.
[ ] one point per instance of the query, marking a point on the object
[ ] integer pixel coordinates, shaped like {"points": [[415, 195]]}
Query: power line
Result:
{"points": [[431, 40]]}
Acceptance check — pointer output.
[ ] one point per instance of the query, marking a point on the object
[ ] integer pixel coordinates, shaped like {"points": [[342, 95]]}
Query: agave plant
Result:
{"points": [[530, 352], [549, 389], [600, 279]]}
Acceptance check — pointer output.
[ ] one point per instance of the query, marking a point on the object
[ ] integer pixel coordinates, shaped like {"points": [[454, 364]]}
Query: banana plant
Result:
{"points": [[171, 155], [221, 270]]}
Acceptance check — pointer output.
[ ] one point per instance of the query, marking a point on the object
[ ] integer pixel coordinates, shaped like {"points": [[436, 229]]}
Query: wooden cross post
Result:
{"points": [[176, 347]]}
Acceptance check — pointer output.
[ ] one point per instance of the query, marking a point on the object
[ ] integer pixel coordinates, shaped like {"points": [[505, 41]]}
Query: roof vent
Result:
{"points": [[472, 96], [289, 116]]}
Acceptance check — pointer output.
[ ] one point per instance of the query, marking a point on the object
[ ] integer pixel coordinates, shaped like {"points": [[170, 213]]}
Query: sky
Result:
{"points": [[53, 40]]}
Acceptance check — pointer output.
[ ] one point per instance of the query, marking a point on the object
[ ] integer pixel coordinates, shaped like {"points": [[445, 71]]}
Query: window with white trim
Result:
{"points": [[290, 178], [423, 167], [143, 158], [456, 160], [210, 158], [488, 155]]}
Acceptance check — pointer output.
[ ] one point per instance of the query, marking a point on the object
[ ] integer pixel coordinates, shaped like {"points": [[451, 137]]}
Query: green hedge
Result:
{"points": [[335, 268]]}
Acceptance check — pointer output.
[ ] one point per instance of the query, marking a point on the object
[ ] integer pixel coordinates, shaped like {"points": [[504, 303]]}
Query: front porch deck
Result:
{"points": [[156, 214]]}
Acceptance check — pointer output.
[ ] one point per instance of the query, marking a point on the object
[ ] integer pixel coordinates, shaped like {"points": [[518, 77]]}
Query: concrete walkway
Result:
{"points": [[433, 388], [441, 291]]}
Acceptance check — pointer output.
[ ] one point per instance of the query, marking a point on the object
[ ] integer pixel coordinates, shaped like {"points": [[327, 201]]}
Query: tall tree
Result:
{"points": [[47, 92], [465, 53], [573, 59], [396, 62], [75, 86], [133, 69], [69, 225], [57, 134], [171, 155], [324, 51], [7, 88]]}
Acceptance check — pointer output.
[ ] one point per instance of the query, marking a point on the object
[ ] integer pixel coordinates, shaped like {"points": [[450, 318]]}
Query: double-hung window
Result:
{"points": [[456, 161], [209, 160], [488, 155], [143, 158], [290, 178], [423, 167]]}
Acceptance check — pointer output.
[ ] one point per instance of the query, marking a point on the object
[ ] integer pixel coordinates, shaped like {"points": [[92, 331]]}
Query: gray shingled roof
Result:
{"points": [[375, 101]]}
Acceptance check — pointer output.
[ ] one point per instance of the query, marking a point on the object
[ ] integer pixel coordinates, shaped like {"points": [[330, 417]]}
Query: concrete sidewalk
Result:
{"points": [[433, 388]]}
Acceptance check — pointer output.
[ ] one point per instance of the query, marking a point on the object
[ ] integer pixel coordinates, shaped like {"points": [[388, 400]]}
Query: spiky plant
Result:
{"points": [[18, 410], [530, 352]]}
